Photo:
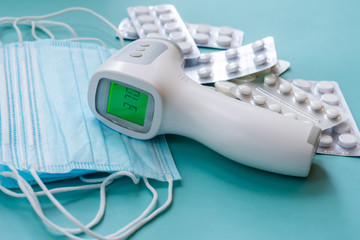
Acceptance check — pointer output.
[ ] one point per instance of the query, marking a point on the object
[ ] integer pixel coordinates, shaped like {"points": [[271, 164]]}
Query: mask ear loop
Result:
{"points": [[30, 18], [44, 29]]}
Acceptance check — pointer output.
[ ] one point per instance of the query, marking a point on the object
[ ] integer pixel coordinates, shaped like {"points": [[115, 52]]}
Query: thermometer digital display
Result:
{"points": [[142, 91]]}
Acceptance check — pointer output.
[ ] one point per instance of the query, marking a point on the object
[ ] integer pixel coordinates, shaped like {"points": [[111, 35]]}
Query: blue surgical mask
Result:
{"points": [[48, 133]]}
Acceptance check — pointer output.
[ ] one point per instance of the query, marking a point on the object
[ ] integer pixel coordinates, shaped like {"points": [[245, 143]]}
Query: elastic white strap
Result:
{"points": [[44, 29], [27, 18], [85, 39], [62, 24], [121, 234]]}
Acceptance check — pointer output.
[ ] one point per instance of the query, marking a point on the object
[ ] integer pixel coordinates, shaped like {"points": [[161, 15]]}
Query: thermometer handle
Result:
{"points": [[242, 132]]}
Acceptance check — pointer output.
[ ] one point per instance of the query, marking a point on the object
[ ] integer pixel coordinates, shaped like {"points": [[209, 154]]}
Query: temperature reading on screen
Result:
{"points": [[127, 103]]}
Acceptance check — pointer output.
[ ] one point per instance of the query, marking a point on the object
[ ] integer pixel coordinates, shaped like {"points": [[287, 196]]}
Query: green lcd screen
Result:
{"points": [[128, 104]]}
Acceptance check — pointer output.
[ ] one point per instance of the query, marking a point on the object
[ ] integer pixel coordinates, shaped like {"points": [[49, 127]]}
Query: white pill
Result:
{"points": [[291, 115], [131, 32], [332, 113], [203, 28], [143, 19], [316, 105], [223, 40], [186, 47], [325, 87], [347, 140], [244, 90], [341, 128], [204, 58], [300, 96], [260, 59], [204, 72], [231, 53], [331, 99], [270, 79], [224, 87], [201, 38], [304, 85], [150, 28], [161, 9], [177, 36], [155, 35], [232, 67], [167, 17], [172, 27], [139, 10], [285, 88], [259, 99], [258, 45], [226, 31], [275, 108], [325, 141]]}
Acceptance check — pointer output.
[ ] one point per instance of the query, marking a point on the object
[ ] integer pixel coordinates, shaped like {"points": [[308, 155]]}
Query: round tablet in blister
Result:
{"points": [[139, 10], [150, 28], [244, 90], [172, 27], [275, 108], [131, 32], [143, 19], [291, 115], [161, 9], [332, 113], [341, 128], [203, 28], [285, 88], [316, 105], [177, 36], [300, 97], [331, 99], [186, 47], [226, 31], [224, 87], [231, 53], [232, 67], [325, 141], [201, 38], [304, 85], [167, 17], [258, 45], [204, 58], [325, 87], [270, 79], [223, 40], [260, 59], [156, 35], [259, 99], [347, 140], [204, 72]]}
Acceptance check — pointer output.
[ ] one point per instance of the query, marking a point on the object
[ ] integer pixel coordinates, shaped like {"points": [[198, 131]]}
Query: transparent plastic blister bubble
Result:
{"points": [[127, 29], [278, 95], [344, 138], [164, 21], [234, 62], [215, 37]]}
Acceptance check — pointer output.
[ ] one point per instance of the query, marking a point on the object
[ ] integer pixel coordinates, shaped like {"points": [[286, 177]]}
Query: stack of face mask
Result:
{"points": [[48, 133]]}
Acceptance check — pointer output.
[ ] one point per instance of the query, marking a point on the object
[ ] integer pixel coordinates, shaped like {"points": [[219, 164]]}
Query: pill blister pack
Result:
{"points": [[234, 62], [215, 37], [344, 138], [164, 21], [203, 35], [278, 95]]}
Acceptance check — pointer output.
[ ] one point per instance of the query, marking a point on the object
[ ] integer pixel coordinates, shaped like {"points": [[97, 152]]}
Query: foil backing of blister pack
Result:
{"points": [[278, 95], [342, 139], [164, 21], [234, 62]]}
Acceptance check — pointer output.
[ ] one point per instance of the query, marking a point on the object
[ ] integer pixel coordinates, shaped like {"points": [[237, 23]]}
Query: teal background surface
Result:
{"points": [[218, 198]]}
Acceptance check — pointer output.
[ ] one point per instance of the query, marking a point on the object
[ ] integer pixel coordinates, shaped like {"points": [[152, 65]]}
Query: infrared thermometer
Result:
{"points": [[142, 91]]}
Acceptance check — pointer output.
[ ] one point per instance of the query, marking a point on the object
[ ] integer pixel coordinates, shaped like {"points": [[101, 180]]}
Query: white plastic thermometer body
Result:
{"points": [[244, 133]]}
